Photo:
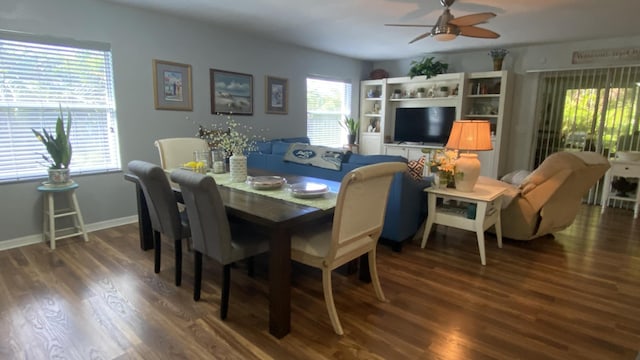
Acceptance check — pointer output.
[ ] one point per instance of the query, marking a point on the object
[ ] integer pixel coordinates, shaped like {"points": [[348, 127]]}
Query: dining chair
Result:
{"points": [[356, 227], [212, 233], [165, 217], [174, 152]]}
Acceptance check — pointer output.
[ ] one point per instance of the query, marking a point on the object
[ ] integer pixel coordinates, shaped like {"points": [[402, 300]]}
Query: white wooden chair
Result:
{"points": [[174, 152], [357, 225]]}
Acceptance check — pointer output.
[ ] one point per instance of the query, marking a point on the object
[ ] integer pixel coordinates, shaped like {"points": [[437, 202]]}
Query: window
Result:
{"points": [[327, 104], [37, 77]]}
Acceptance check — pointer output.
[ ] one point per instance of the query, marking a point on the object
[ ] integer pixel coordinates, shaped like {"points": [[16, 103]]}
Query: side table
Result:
{"points": [[488, 204], [627, 169], [50, 214]]}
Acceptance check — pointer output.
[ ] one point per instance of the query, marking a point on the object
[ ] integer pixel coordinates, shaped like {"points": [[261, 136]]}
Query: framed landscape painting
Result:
{"points": [[231, 92], [172, 86], [276, 95]]}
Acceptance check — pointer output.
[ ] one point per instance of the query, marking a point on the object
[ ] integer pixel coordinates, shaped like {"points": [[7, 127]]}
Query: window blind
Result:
{"points": [[36, 79], [328, 102]]}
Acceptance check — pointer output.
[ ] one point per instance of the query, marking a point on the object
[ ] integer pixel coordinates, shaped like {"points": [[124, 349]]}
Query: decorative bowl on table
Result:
{"points": [[628, 155], [308, 190], [266, 182]]}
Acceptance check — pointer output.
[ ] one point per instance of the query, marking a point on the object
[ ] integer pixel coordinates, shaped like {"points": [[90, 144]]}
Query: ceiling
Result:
{"points": [[355, 28]]}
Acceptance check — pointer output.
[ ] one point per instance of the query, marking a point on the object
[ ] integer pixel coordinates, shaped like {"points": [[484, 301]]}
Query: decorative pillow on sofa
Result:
{"points": [[318, 156], [416, 168]]}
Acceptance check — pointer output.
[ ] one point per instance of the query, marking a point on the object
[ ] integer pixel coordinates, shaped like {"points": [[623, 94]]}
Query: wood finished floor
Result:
{"points": [[573, 297]]}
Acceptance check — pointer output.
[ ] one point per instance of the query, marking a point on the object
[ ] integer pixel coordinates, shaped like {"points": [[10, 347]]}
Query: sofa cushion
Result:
{"points": [[318, 156], [301, 139], [416, 168], [264, 147], [374, 159], [280, 147]]}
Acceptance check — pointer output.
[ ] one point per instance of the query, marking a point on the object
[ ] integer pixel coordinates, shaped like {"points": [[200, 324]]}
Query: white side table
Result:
{"points": [[625, 169], [488, 201]]}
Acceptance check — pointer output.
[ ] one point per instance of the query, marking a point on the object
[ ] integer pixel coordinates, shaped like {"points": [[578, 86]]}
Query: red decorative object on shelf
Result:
{"points": [[378, 74]]}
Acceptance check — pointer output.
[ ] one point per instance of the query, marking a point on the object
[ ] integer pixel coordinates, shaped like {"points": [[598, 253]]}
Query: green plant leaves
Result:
{"points": [[427, 67]]}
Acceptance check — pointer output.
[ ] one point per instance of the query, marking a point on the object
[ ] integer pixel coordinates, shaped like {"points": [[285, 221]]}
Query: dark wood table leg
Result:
{"points": [[144, 221], [280, 282]]}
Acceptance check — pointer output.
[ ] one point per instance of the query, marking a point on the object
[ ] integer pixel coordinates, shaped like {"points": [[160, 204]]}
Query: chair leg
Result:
{"points": [[197, 272], [250, 266], [328, 299], [224, 298], [178, 248], [373, 270], [157, 240]]}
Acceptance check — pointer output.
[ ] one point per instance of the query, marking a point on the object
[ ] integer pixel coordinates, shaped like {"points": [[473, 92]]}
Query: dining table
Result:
{"points": [[278, 215]]}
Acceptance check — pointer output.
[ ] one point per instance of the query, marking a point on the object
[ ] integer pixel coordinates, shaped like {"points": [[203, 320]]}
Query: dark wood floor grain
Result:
{"points": [[575, 296]]}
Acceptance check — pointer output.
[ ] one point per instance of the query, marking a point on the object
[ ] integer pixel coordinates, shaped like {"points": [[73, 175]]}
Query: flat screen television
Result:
{"points": [[426, 125]]}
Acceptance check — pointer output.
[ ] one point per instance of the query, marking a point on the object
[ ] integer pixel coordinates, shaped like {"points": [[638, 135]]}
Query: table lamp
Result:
{"points": [[469, 135]]}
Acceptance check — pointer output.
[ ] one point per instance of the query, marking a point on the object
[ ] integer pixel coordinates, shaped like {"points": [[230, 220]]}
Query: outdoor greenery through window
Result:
{"points": [[37, 76], [589, 109], [327, 103]]}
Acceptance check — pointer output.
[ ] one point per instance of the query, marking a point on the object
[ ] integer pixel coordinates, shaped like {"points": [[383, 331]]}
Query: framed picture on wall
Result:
{"points": [[172, 86], [231, 92], [276, 95]]}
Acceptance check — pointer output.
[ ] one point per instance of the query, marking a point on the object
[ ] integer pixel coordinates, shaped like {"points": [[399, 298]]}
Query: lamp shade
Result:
{"points": [[470, 135]]}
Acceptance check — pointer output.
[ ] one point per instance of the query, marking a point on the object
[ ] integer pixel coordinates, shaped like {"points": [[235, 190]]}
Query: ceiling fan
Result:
{"points": [[449, 27]]}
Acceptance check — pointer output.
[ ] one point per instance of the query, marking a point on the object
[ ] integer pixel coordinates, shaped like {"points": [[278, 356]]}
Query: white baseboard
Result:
{"points": [[37, 238]]}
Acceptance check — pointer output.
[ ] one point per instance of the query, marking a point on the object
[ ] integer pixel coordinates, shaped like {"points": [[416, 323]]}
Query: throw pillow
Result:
{"points": [[416, 167], [318, 156]]}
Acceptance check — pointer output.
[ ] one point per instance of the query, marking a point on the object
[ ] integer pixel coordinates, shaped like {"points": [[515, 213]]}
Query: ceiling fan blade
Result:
{"points": [[473, 19], [420, 37], [477, 32], [408, 25]]}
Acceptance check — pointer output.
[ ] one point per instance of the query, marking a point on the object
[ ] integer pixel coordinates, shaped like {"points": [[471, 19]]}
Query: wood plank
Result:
{"points": [[572, 295]]}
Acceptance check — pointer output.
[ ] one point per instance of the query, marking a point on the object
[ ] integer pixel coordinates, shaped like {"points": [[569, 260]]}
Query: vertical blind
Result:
{"points": [[588, 109], [36, 79], [327, 103]]}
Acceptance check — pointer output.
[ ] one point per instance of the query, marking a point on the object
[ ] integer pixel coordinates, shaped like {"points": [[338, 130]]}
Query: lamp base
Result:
{"points": [[467, 172]]}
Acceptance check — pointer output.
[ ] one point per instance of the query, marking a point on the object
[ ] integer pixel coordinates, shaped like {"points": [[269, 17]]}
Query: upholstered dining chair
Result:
{"points": [[176, 151], [212, 233], [166, 219], [356, 227]]}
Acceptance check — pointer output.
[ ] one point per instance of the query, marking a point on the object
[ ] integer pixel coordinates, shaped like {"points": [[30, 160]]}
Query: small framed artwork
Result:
{"points": [[231, 92], [276, 95], [172, 86]]}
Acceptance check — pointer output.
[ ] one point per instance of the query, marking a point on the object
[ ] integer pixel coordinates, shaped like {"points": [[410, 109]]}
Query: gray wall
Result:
{"points": [[136, 38], [520, 60]]}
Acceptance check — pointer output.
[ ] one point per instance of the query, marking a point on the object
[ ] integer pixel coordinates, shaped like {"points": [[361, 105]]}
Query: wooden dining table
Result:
{"points": [[278, 218]]}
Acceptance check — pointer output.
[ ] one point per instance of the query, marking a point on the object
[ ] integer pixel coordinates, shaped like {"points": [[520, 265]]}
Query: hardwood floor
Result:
{"points": [[573, 297]]}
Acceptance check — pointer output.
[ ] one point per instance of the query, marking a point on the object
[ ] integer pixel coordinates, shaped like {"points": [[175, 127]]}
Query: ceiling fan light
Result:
{"points": [[444, 37], [445, 33]]}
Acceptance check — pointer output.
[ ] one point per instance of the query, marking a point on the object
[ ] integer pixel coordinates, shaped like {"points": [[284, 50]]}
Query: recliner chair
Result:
{"points": [[549, 198]]}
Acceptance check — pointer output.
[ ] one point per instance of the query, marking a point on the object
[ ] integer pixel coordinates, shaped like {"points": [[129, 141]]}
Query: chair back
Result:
{"points": [[174, 152], [360, 209], [210, 231], [163, 208]]}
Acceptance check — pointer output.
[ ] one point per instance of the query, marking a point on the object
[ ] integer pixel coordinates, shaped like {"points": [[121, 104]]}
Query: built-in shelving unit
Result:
{"points": [[483, 95]]}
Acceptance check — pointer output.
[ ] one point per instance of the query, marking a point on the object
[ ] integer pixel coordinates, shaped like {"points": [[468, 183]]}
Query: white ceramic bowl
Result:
{"points": [[628, 155]]}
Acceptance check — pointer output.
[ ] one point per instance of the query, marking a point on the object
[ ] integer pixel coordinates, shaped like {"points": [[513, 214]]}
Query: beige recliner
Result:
{"points": [[549, 198]]}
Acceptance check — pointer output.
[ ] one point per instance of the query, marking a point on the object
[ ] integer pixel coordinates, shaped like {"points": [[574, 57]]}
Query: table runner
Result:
{"points": [[325, 202]]}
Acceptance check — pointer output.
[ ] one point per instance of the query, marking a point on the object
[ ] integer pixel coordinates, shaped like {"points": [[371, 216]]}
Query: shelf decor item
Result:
{"points": [[59, 149], [427, 67], [497, 55]]}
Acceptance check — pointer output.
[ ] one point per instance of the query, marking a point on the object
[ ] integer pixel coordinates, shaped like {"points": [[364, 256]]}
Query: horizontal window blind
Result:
{"points": [[36, 79], [327, 103]]}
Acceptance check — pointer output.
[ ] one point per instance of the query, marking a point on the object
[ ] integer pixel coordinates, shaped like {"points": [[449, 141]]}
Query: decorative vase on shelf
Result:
{"points": [[498, 57], [238, 168]]}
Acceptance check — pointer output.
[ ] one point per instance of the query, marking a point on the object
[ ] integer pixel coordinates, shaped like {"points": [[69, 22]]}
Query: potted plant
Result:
{"points": [[352, 126], [427, 67], [59, 149]]}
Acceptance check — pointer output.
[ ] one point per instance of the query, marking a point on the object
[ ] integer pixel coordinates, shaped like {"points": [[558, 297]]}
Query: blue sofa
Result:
{"points": [[406, 207]]}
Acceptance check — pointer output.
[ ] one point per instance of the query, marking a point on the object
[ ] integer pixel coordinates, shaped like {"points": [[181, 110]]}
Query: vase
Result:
{"points": [[59, 176], [238, 168], [351, 138], [497, 64]]}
